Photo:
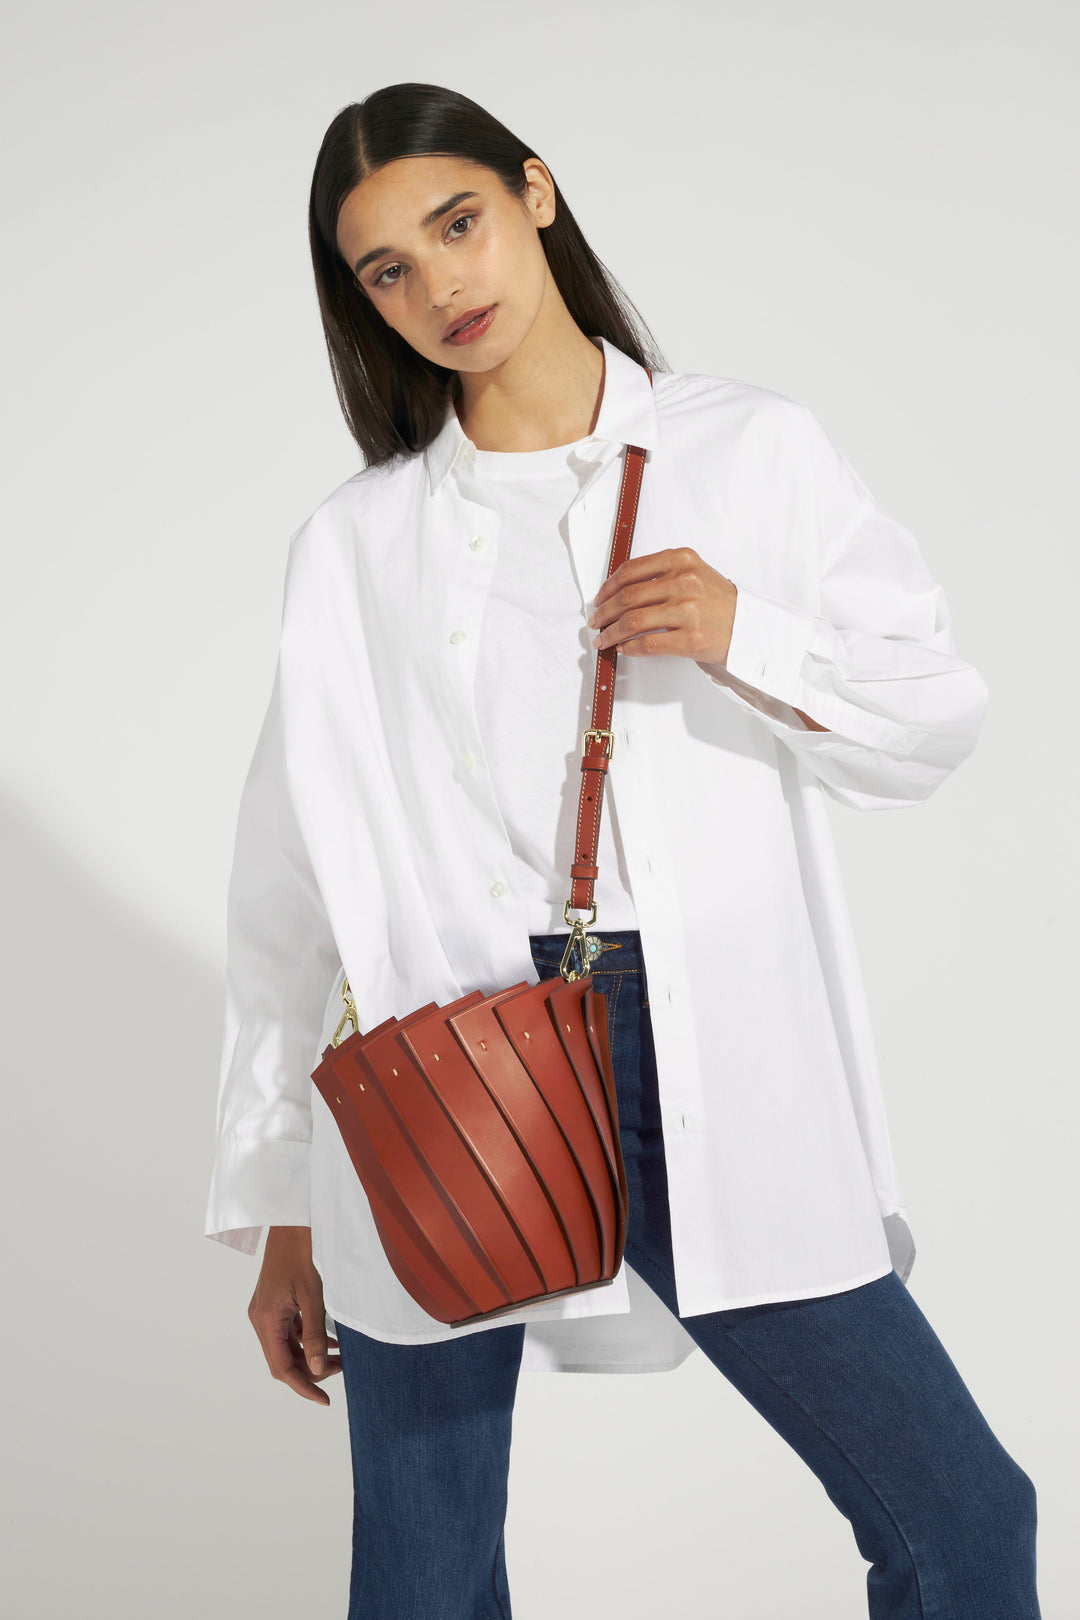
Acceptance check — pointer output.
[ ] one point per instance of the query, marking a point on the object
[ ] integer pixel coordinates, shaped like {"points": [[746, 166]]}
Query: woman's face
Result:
{"points": [[431, 239]]}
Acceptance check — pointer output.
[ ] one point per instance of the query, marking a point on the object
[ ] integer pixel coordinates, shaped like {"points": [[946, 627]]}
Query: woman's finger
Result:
{"points": [[313, 1331]]}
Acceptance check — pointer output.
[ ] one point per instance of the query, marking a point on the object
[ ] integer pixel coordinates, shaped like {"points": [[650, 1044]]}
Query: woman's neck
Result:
{"points": [[546, 394]]}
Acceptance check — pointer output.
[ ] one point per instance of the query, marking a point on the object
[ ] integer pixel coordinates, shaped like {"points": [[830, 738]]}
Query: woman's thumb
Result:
{"points": [[314, 1324]]}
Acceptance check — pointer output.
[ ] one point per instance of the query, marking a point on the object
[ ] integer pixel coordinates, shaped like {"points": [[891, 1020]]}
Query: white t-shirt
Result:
{"points": [[535, 674]]}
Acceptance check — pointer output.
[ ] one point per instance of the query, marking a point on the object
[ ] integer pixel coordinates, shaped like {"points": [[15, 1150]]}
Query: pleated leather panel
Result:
{"points": [[486, 1139]]}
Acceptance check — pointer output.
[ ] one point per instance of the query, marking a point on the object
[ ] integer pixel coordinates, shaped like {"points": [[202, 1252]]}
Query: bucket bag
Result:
{"points": [[485, 1133]]}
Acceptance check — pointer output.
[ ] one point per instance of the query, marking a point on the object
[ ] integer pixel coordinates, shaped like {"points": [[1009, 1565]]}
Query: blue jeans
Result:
{"points": [[856, 1382]]}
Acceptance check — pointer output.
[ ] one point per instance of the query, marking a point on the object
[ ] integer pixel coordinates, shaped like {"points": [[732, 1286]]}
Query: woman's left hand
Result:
{"points": [[670, 603]]}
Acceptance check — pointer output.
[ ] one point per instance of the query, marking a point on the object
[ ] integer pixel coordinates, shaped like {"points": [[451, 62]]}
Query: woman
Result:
{"points": [[407, 821]]}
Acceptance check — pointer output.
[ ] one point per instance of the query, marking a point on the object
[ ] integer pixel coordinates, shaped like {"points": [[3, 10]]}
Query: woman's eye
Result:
{"points": [[462, 219]]}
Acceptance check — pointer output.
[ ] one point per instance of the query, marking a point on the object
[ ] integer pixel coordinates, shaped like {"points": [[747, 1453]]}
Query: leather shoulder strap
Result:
{"points": [[598, 741]]}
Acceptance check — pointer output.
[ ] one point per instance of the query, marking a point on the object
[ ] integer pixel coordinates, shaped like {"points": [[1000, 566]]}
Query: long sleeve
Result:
{"points": [[281, 964], [878, 665]]}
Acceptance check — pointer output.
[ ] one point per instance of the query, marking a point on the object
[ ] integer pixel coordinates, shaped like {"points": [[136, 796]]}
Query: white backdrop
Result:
{"points": [[870, 208]]}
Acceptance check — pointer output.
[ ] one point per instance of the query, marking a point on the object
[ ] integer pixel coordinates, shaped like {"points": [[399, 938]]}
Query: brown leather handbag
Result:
{"points": [[486, 1133]]}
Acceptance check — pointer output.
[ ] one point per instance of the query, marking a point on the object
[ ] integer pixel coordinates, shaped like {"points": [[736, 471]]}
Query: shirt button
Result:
{"points": [[498, 888], [477, 543], [456, 636], [469, 762], [470, 452]]}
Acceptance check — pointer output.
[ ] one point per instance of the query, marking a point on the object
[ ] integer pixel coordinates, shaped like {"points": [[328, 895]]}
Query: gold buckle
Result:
{"points": [[599, 731]]}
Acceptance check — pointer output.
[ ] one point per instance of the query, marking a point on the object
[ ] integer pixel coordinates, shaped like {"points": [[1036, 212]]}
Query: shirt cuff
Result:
{"points": [[769, 643], [257, 1182]]}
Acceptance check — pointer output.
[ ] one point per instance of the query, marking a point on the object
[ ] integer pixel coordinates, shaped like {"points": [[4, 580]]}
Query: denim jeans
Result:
{"points": [[856, 1382]]}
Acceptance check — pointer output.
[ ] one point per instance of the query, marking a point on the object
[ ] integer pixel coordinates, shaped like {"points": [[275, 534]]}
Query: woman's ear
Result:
{"points": [[541, 194]]}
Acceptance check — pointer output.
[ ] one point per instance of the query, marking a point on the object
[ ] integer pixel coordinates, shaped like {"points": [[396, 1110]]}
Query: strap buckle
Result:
{"points": [[603, 733]]}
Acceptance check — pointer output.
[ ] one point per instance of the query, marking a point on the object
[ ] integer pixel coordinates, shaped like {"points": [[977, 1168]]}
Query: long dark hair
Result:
{"points": [[393, 399]]}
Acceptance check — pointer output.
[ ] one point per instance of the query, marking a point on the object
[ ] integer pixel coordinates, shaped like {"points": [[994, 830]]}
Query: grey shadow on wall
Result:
{"points": [[152, 1463]]}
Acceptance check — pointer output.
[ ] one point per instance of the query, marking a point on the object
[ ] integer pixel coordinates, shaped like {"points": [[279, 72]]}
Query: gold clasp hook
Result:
{"points": [[348, 1016], [578, 941]]}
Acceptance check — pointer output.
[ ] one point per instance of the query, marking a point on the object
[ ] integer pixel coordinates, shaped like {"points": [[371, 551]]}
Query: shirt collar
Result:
{"points": [[627, 415]]}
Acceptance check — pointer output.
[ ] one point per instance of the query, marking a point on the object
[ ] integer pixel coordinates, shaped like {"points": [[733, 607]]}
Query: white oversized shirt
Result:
{"points": [[370, 843]]}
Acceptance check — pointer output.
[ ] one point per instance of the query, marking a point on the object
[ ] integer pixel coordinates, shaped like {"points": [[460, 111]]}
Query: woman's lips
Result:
{"points": [[476, 328]]}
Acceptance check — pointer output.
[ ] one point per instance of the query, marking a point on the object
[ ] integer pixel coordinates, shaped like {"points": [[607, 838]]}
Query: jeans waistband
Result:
{"points": [[617, 950]]}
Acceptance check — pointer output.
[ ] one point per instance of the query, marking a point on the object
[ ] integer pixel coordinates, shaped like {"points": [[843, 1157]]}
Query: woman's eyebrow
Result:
{"points": [[428, 219]]}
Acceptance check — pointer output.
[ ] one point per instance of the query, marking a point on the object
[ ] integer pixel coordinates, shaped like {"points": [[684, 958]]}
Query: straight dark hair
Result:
{"points": [[394, 400]]}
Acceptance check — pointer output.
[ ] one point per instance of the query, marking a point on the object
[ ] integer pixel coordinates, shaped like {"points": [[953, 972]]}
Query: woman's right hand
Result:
{"points": [[288, 1314]]}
